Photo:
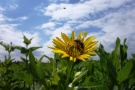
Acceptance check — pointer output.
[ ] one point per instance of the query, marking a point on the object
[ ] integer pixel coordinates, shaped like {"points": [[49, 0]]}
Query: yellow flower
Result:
{"points": [[75, 48]]}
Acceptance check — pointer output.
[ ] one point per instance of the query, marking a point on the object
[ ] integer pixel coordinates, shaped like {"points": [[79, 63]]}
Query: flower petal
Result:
{"points": [[82, 57], [84, 35], [92, 53], [79, 35], [58, 51], [65, 55], [71, 58], [51, 47], [90, 45], [89, 40], [65, 38], [74, 59], [73, 36], [60, 40], [59, 44]]}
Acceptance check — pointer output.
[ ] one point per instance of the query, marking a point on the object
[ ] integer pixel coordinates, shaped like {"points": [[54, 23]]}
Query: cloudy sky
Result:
{"points": [[46, 19]]}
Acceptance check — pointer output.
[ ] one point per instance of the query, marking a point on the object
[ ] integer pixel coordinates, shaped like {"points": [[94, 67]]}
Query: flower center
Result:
{"points": [[75, 49]]}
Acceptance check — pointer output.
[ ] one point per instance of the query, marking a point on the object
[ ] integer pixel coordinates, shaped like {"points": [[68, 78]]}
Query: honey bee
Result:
{"points": [[79, 43]]}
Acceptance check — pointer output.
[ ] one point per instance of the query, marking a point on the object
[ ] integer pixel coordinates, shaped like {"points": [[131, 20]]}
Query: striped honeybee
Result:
{"points": [[79, 43]]}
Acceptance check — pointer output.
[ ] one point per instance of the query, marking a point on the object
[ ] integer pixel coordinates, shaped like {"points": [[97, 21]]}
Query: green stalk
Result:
{"points": [[120, 87], [44, 83], [24, 86], [67, 80], [33, 85]]}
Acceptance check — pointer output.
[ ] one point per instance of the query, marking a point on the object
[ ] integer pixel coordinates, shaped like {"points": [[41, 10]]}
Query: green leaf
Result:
{"points": [[32, 64], [49, 66], [24, 50], [26, 77], [112, 72], [40, 69], [117, 42], [56, 56], [1, 42], [123, 52], [87, 81], [41, 58], [8, 47], [62, 70], [125, 41], [26, 40], [133, 55], [5, 46], [25, 60], [131, 81], [18, 47], [37, 69], [124, 72], [104, 57], [56, 79], [79, 77], [115, 56], [34, 48], [49, 58]]}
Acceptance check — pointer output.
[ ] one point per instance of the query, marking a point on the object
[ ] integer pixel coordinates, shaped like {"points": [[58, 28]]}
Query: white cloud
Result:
{"points": [[55, 1], [4, 18], [23, 18], [12, 7], [71, 12], [120, 22], [9, 7], [9, 33], [117, 24], [48, 25], [80, 10], [2, 52], [1, 9], [45, 50], [113, 24], [57, 32]]}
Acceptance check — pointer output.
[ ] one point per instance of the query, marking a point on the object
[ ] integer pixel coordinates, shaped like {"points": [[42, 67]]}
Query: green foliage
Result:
{"points": [[26, 40], [114, 71], [9, 47], [118, 67]]}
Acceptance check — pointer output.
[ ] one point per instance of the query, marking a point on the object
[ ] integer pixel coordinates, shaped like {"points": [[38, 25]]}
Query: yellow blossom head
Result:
{"points": [[75, 48]]}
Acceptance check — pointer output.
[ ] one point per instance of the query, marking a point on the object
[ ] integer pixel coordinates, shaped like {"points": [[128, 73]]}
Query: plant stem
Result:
{"points": [[33, 85], [67, 80]]}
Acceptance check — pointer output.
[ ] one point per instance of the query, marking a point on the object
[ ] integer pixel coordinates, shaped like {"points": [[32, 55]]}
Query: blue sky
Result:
{"points": [[46, 19]]}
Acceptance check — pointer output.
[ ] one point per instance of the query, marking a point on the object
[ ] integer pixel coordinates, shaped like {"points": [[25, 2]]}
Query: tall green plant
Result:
{"points": [[117, 66], [12, 74]]}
